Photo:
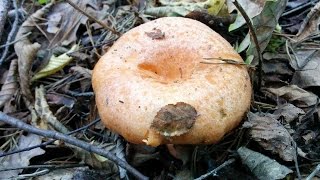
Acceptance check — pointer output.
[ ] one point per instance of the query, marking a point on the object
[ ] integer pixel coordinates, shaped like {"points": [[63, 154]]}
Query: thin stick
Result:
{"points": [[92, 18], [314, 172], [254, 37], [71, 140], [48, 166], [226, 163], [295, 158], [16, 40]]}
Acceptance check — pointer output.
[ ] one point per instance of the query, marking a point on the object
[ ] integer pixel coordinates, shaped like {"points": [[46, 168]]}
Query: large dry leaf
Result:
{"points": [[271, 135], [310, 25], [55, 64], [261, 166], [10, 86], [307, 67], [26, 52], [295, 95], [64, 20], [20, 159]]}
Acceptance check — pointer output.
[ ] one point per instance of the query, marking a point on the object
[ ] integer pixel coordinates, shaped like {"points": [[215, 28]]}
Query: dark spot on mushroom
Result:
{"points": [[174, 119], [121, 101], [155, 34], [223, 113], [107, 101]]}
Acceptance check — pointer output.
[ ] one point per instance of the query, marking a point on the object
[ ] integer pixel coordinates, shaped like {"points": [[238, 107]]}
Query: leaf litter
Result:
{"points": [[49, 86]]}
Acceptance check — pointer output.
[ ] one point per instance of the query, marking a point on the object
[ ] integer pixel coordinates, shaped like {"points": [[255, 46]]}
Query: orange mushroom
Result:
{"points": [[153, 87]]}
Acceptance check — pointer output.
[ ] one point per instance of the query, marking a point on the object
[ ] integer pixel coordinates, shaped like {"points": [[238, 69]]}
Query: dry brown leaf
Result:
{"points": [[310, 25], [20, 159], [271, 135], [261, 166], [174, 119], [70, 19], [26, 52], [10, 86], [43, 110], [295, 95]]}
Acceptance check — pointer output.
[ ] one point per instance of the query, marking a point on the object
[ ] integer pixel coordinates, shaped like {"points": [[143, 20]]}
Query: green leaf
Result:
{"points": [[55, 64], [43, 1]]}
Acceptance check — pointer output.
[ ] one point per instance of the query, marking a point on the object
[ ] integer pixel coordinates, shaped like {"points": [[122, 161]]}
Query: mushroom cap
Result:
{"points": [[153, 87]]}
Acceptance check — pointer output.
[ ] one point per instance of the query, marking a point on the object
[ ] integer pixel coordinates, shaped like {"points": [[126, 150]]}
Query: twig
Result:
{"points": [[294, 10], [12, 33], [48, 166], [314, 172], [92, 18], [4, 9], [226, 163], [16, 40], [38, 173], [48, 142], [71, 140], [254, 37], [21, 12], [295, 158]]}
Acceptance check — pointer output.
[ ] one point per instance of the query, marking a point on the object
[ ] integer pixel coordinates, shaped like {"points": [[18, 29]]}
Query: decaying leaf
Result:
{"points": [[64, 20], [26, 52], [43, 110], [182, 8], [117, 147], [60, 100], [310, 25], [307, 67], [155, 34], [55, 64], [264, 24], [10, 86], [20, 159], [288, 112], [174, 119], [271, 135], [295, 95], [261, 166], [276, 69]]}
